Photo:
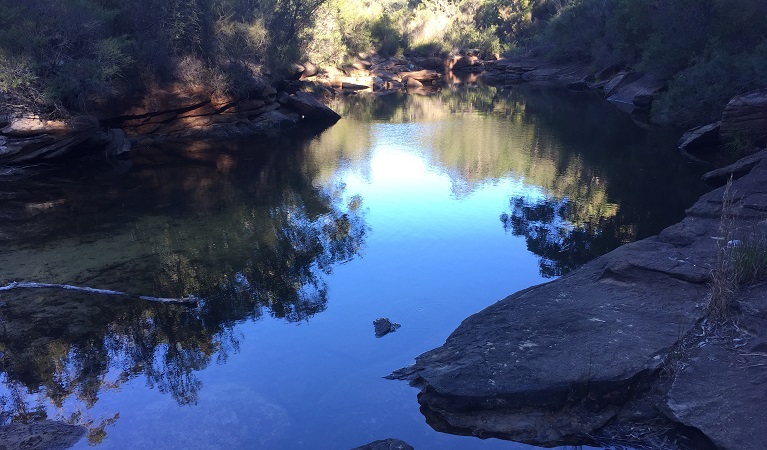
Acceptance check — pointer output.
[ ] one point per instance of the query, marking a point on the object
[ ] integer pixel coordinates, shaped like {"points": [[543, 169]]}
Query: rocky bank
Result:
{"points": [[620, 351], [166, 113]]}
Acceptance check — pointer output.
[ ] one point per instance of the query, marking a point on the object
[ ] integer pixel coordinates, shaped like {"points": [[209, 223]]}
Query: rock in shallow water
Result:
{"points": [[384, 326]]}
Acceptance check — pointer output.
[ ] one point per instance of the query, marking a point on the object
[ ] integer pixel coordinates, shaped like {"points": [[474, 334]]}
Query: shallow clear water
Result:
{"points": [[420, 209]]}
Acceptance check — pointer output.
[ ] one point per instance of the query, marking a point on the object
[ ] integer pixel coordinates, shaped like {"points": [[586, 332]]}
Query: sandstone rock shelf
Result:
{"points": [[619, 343]]}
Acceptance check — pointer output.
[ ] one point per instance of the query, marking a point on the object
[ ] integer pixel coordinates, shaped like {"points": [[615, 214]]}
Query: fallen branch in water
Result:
{"points": [[28, 285]]}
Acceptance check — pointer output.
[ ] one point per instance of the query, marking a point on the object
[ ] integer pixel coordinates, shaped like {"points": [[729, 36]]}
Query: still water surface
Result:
{"points": [[420, 209]]}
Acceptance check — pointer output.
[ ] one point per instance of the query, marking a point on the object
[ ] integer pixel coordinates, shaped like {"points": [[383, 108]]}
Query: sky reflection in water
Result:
{"points": [[423, 210]]}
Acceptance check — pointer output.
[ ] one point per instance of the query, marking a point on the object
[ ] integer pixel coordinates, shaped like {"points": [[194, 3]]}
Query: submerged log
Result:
{"points": [[189, 301]]}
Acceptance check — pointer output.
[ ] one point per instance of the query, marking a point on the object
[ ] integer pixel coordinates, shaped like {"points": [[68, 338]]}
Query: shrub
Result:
{"points": [[386, 39], [699, 93]]}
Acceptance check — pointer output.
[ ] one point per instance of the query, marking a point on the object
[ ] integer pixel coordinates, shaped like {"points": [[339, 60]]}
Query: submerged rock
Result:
{"points": [[384, 326], [42, 435], [386, 444]]}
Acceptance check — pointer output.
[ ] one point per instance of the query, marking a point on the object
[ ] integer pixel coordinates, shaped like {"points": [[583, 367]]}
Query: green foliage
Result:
{"points": [[386, 39], [485, 40], [699, 93], [711, 49], [750, 258], [574, 34]]}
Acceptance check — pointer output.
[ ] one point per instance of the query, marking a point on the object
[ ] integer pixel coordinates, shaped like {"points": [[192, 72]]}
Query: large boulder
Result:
{"points": [[745, 118], [702, 137], [423, 76], [465, 63], [634, 88], [312, 109]]}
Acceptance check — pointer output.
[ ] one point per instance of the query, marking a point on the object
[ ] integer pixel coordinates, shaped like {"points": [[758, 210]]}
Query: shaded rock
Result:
{"points": [[736, 170], [386, 444], [295, 71], [283, 98], [118, 144], [357, 83], [310, 70], [28, 139], [704, 136], [609, 72], [745, 117], [616, 80], [42, 435], [424, 76], [412, 82], [720, 387], [384, 326], [312, 109], [578, 85], [554, 362], [465, 63], [634, 88]]}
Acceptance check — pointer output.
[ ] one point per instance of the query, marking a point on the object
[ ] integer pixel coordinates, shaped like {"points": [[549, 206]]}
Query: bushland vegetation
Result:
{"points": [[710, 49], [61, 54]]}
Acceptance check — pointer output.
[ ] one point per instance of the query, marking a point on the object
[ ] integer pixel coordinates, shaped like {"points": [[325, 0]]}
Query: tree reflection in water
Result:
{"points": [[265, 255], [246, 229], [549, 233]]}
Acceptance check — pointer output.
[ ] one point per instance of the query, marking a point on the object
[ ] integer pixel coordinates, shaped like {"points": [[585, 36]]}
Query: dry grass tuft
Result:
{"points": [[741, 259]]}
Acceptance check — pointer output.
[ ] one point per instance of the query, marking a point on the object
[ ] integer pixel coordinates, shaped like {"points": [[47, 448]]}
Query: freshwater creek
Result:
{"points": [[421, 209]]}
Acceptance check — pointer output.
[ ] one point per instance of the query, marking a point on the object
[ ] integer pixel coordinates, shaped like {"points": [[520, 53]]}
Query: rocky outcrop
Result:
{"points": [[603, 351], [25, 140], [699, 138], [633, 88], [467, 63], [745, 118], [166, 113], [383, 75], [174, 113], [533, 69], [311, 109], [718, 177]]}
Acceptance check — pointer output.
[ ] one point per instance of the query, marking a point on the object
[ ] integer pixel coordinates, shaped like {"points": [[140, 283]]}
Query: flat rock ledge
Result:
{"points": [[618, 352]]}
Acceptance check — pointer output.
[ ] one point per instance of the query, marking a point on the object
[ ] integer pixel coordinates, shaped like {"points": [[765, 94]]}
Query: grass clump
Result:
{"points": [[749, 258], [741, 259]]}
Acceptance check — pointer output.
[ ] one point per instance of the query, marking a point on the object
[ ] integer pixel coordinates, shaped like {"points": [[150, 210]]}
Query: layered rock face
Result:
{"points": [[745, 117], [167, 113], [618, 344]]}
